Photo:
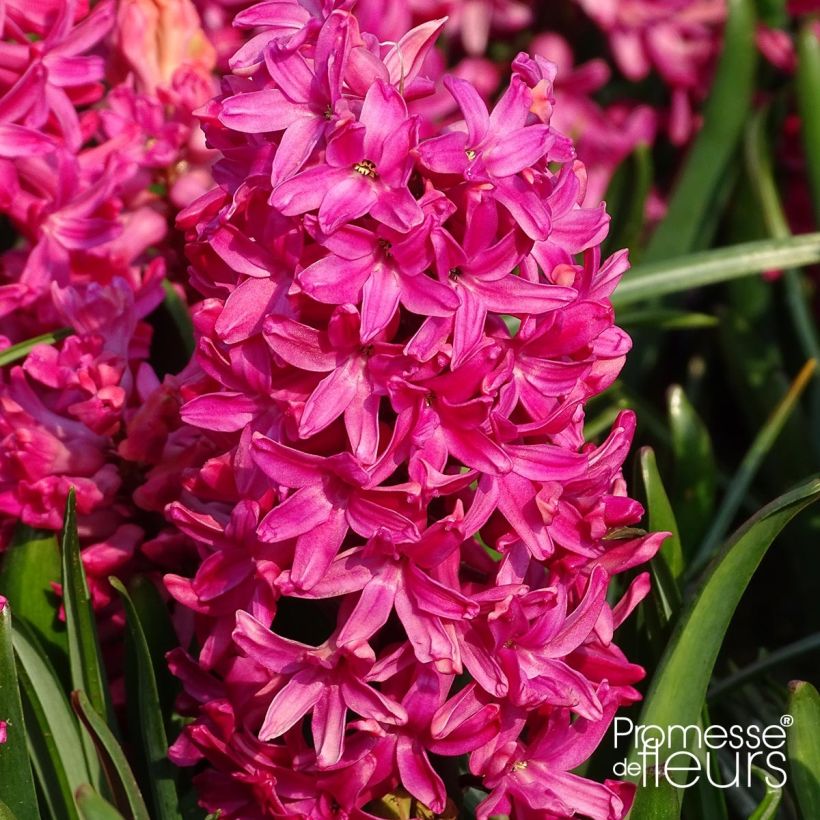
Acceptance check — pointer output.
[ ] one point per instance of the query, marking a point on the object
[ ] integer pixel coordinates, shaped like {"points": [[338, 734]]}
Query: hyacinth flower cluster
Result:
{"points": [[405, 541], [98, 151], [677, 42]]}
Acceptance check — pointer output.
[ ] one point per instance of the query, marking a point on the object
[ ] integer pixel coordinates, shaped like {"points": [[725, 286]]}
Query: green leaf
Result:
{"points": [[695, 270], [87, 671], [121, 780], [704, 800], [22, 349], [695, 474], [660, 514], [54, 736], [16, 780], [661, 802], [94, 807], [803, 745], [742, 480], [153, 741], [666, 567], [807, 85], [698, 634], [161, 639], [6, 813], [178, 310], [767, 808], [666, 319], [29, 567], [724, 116]]}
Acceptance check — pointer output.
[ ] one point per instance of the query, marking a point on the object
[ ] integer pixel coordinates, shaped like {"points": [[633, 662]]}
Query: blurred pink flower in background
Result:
{"points": [[680, 39]]}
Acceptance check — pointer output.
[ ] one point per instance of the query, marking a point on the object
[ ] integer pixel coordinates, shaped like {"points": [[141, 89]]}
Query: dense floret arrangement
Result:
{"points": [[405, 541]]}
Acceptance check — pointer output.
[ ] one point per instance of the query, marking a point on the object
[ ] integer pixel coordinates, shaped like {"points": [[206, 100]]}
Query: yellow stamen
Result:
{"points": [[366, 168]]}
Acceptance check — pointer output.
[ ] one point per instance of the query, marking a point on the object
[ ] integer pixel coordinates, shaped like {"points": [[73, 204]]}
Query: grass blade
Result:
{"points": [[29, 567], [711, 267], [153, 740], [94, 807], [695, 642], [803, 745], [54, 736], [724, 117], [16, 779], [22, 349], [87, 671], [121, 780], [748, 468]]}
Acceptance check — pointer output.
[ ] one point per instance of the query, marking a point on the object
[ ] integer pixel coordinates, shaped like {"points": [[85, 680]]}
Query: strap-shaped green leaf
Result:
{"points": [[666, 319], [803, 745], [94, 807], [6, 813], [121, 780], [678, 690], [153, 742], [87, 671], [161, 639], [30, 566], [53, 732], [807, 86], [16, 779], [660, 514], [711, 267], [695, 473]]}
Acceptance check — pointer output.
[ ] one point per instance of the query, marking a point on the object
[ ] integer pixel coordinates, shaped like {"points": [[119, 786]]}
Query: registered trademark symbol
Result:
{"points": [[786, 720]]}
